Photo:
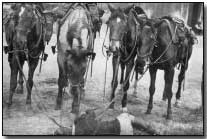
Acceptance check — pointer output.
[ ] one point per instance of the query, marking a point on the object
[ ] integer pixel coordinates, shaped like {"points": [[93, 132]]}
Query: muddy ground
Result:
{"points": [[24, 120]]}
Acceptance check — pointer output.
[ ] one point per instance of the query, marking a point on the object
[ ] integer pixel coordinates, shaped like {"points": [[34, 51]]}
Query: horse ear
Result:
{"points": [[112, 9]]}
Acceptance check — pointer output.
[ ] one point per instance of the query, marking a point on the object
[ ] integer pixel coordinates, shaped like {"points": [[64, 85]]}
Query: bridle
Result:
{"points": [[120, 38]]}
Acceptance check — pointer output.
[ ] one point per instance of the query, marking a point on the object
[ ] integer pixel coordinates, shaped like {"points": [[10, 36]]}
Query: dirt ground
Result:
{"points": [[23, 120]]}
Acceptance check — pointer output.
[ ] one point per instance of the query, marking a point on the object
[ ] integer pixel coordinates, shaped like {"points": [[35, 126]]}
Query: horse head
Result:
{"points": [[143, 32], [147, 40], [27, 20], [118, 27], [96, 13]]}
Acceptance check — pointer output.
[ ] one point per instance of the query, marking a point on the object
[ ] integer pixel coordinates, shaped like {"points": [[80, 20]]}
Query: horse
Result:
{"points": [[173, 45], [24, 36], [125, 31], [75, 45]]}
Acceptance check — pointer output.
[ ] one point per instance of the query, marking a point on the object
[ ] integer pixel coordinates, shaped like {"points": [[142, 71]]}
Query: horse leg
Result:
{"points": [[32, 66], [202, 90], [76, 91], [135, 83], [180, 80], [82, 95], [169, 74], [122, 75], [62, 81], [153, 72], [20, 87], [126, 85], [114, 82], [13, 79]]}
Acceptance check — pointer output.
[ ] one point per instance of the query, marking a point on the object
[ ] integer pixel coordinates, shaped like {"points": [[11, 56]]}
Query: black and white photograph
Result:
{"points": [[106, 69]]}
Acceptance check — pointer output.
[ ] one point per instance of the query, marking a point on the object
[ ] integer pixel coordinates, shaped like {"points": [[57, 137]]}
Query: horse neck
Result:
{"points": [[34, 35], [165, 43], [132, 32]]}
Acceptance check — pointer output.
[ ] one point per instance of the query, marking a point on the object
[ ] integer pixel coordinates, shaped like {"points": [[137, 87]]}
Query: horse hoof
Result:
{"points": [[164, 98], [28, 102], [177, 103], [28, 107], [9, 104], [57, 107], [134, 94], [148, 112], [111, 106], [19, 90], [124, 110], [169, 117]]}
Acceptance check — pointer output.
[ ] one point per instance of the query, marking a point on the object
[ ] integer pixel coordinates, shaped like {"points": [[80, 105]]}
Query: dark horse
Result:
{"points": [[126, 27], [174, 46], [75, 38], [24, 35]]}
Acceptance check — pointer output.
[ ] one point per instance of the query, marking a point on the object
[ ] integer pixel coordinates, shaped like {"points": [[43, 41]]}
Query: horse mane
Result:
{"points": [[139, 10]]}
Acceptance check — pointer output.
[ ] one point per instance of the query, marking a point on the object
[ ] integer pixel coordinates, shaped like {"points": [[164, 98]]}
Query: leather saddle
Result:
{"points": [[177, 28]]}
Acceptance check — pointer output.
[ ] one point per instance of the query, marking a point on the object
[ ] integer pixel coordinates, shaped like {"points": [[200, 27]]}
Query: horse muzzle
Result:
{"points": [[21, 42], [114, 45]]}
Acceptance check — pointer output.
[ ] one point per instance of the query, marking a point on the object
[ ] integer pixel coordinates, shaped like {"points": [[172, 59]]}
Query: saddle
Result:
{"points": [[47, 20], [177, 31], [182, 32]]}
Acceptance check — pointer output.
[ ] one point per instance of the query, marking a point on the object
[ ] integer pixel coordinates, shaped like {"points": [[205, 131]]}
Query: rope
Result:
{"points": [[168, 46], [92, 41], [116, 70], [40, 101], [104, 41], [186, 61], [105, 78]]}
